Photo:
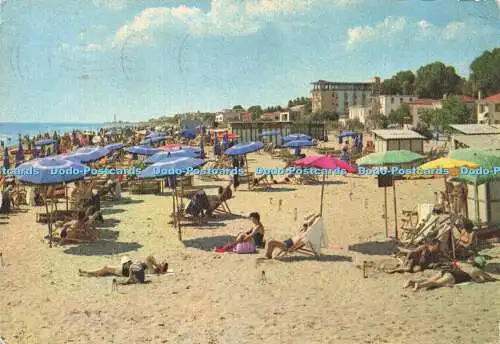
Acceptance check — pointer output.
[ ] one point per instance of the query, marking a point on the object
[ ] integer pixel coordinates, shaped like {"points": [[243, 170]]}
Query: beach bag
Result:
{"points": [[244, 247]]}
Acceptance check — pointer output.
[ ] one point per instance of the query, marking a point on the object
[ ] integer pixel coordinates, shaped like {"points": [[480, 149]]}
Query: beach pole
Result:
{"points": [[49, 216], [66, 196], [476, 199], [322, 195], [385, 213], [395, 210], [248, 175]]}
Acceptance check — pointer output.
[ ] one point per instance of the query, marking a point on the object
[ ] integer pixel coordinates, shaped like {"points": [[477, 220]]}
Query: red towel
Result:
{"points": [[224, 249]]}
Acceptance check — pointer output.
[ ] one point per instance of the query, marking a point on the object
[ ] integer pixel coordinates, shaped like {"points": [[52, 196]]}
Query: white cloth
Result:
{"points": [[316, 236]]}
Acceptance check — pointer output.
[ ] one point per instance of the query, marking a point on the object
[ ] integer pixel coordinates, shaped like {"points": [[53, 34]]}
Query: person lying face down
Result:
{"points": [[133, 271], [295, 242], [454, 275], [419, 259]]}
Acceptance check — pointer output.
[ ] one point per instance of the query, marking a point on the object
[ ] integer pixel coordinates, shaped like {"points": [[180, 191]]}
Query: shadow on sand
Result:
{"points": [[375, 248], [493, 268], [322, 258], [208, 243], [103, 248], [123, 201], [108, 223], [274, 188], [110, 211]]}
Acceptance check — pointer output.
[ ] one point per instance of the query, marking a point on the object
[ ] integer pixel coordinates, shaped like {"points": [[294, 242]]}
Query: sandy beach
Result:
{"points": [[214, 298]]}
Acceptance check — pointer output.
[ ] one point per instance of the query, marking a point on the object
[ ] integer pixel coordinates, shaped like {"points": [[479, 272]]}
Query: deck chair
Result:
{"points": [[264, 181], [315, 239]]}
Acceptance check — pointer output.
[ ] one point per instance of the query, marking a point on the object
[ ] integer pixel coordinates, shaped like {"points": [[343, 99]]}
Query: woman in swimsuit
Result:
{"points": [[453, 275], [255, 235], [420, 258]]}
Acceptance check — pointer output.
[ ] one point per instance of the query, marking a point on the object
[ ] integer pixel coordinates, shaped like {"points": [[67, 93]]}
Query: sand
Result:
{"points": [[221, 298]]}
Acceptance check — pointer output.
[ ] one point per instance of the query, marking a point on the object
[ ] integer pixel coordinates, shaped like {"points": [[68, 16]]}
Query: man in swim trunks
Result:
{"points": [[420, 258]]}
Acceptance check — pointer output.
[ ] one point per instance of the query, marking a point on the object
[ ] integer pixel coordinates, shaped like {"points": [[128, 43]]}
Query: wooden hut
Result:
{"points": [[398, 139]]}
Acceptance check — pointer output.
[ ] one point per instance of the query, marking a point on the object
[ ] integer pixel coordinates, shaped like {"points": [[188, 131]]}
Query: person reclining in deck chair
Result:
{"points": [[223, 195], [112, 187], [299, 240], [198, 205], [80, 230], [133, 271], [420, 259]]}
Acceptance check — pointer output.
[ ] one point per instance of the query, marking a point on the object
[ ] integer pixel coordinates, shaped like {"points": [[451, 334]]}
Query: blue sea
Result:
{"points": [[9, 131]]}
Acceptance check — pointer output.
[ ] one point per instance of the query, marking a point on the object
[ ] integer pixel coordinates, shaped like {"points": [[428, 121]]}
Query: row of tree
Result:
{"points": [[436, 79]]}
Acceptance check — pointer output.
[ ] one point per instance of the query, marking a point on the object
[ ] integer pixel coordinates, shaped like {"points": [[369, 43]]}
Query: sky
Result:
{"points": [[85, 61]]}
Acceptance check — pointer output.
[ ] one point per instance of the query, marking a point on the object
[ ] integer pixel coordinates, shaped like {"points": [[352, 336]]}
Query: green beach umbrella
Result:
{"points": [[398, 157]]}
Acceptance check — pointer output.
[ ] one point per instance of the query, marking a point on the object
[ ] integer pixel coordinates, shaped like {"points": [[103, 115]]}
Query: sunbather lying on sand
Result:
{"points": [[255, 235], [134, 271], [454, 275], [420, 258], [295, 242]]}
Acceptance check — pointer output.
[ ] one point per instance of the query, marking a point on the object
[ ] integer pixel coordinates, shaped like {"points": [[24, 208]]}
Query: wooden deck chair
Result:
{"points": [[314, 239]]}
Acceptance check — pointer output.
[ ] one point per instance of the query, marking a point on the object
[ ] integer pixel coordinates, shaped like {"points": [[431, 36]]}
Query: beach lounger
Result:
{"points": [[315, 240]]}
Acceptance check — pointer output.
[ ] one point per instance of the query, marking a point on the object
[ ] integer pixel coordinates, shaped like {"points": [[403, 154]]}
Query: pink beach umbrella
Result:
{"points": [[325, 162]]}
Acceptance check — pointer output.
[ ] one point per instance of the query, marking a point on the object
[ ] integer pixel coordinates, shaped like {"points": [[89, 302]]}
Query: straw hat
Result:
{"points": [[125, 260]]}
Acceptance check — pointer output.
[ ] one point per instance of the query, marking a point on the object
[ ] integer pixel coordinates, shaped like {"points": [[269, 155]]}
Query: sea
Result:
{"points": [[9, 131]]}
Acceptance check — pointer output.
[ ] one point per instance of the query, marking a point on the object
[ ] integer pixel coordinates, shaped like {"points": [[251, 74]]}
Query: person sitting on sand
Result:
{"points": [[454, 275], [420, 258], [134, 271], [255, 235], [298, 240]]}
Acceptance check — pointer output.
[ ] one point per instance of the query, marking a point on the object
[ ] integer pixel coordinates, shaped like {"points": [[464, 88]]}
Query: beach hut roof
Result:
{"points": [[475, 129], [479, 141], [395, 134]]}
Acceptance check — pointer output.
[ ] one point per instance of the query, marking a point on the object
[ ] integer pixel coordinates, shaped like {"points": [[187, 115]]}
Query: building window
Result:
{"points": [[497, 107]]}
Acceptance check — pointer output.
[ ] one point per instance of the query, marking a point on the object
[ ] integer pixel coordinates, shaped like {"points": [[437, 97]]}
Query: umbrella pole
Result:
{"points": [[395, 210], [385, 213], [178, 212], [476, 199], [248, 175], [49, 216], [322, 195], [66, 196]]}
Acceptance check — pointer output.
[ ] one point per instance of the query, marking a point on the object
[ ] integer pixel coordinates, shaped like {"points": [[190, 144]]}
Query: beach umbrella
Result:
{"points": [[452, 165], [298, 144], [51, 171], [270, 133], [114, 147], [170, 146], [172, 168], [325, 162], [475, 155], [142, 150], [163, 156], [86, 154], [156, 134], [45, 142], [188, 134], [387, 159], [153, 139], [294, 137], [244, 149]]}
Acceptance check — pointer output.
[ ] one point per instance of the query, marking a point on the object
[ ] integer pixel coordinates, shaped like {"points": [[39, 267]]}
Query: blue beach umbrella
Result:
{"points": [[190, 148], [86, 154], [142, 150], [270, 133], [164, 156], [153, 139], [49, 171], [295, 137], [171, 167], [188, 134], [244, 148], [114, 147], [156, 134], [299, 143], [44, 142]]}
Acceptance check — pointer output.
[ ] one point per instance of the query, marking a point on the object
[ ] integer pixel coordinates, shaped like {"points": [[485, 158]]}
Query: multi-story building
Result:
{"points": [[360, 112], [228, 115], [270, 116], [488, 110], [419, 106], [338, 96], [293, 114], [390, 103], [246, 116]]}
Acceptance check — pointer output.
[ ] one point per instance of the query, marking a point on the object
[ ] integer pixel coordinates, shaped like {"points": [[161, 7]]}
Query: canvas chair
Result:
{"points": [[264, 181], [314, 240], [220, 206]]}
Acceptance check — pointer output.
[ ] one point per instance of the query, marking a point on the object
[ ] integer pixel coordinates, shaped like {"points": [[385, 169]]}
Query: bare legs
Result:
{"points": [[105, 271], [271, 245], [436, 281]]}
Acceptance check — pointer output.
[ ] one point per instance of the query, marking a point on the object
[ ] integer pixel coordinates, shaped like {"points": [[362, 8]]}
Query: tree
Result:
{"points": [[256, 111], [400, 116], [238, 107], [401, 83], [323, 116], [435, 80], [485, 72], [273, 108], [452, 111], [353, 124]]}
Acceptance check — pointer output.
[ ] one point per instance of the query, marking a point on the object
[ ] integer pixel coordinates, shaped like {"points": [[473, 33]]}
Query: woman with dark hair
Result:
{"points": [[254, 235]]}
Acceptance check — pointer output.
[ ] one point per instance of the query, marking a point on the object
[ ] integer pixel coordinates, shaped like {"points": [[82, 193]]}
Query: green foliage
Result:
{"points": [[353, 124], [301, 101], [400, 116], [435, 80], [401, 83], [323, 116], [238, 107], [256, 111], [453, 111], [273, 109], [485, 75]]}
